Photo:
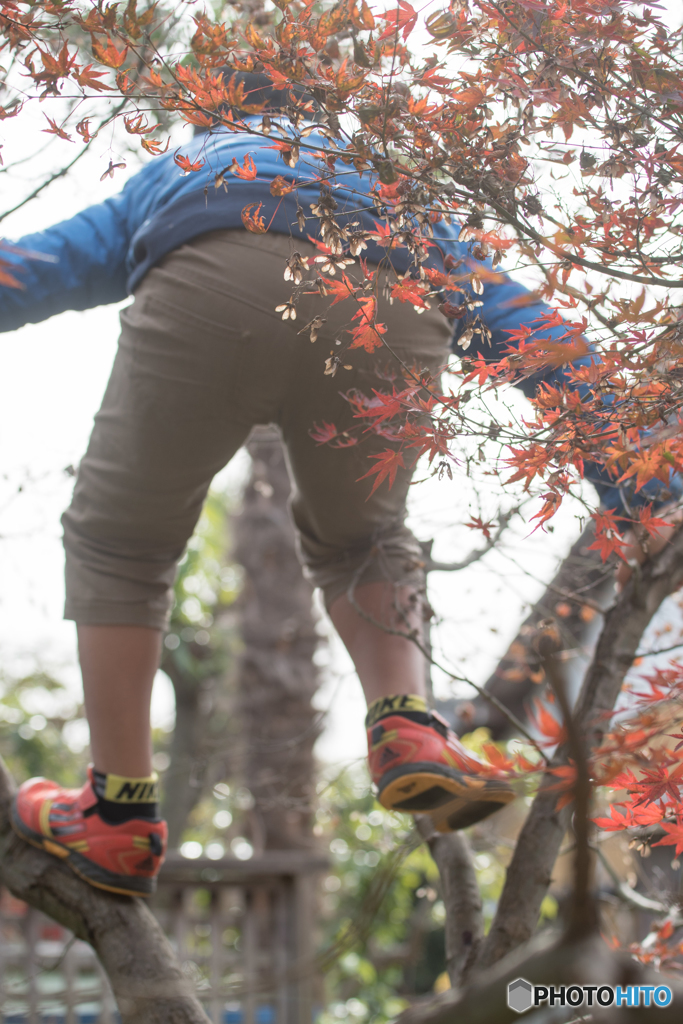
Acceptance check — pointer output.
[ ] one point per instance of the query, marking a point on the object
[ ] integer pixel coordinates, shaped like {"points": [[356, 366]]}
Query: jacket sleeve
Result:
{"points": [[86, 265], [507, 306]]}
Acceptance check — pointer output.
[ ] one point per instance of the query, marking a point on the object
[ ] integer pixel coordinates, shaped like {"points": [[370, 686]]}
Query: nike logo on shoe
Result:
{"points": [[387, 755]]}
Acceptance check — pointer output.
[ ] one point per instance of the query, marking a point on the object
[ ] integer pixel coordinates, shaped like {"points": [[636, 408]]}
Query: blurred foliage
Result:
{"points": [[204, 586], [42, 729], [200, 648], [401, 955]]}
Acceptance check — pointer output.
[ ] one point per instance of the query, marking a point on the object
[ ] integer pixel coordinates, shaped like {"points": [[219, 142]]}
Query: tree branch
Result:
{"points": [[545, 961], [517, 675], [145, 976], [461, 896], [529, 874]]}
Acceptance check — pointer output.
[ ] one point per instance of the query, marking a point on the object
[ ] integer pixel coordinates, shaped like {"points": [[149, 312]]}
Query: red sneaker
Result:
{"points": [[123, 858], [420, 767]]}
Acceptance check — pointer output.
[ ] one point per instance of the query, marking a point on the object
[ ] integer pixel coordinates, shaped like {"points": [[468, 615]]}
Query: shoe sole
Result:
{"points": [[452, 799], [93, 874]]}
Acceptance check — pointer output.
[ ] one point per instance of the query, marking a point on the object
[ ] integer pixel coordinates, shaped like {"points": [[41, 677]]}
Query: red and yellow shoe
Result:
{"points": [[420, 766], [123, 858]]}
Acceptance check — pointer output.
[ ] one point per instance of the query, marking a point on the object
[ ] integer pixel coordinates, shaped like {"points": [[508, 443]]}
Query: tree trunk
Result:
{"points": [[277, 675], [569, 607]]}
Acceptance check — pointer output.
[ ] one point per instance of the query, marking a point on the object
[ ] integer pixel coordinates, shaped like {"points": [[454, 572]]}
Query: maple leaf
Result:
{"points": [[674, 836], [138, 125], [154, 146], [7, 279], [324, 434], [340, 289], [402, 17], [547, 725], [479, 368], [410, 291], [616, 822], [279, 186], [252, 219], [608, 540], [476, 523], [658, 783], [496, 757], [110, 56], [367, 336], [186, 165], [54, 129], [247, 170], [567, 775], [388, 464], [83, 129], [89, 79], [651, 523]]}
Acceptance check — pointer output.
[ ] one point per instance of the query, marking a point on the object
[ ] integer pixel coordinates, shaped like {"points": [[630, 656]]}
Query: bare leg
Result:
{"points": [[118, 665], [386, 664]]}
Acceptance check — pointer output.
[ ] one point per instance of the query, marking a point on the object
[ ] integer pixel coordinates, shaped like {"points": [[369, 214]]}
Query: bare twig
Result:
{"points": [[583, 914]]}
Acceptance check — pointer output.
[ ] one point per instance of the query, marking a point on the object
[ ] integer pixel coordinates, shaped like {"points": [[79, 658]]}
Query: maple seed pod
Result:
{"points": [[288, 310], [294, 271], [465, 339]]}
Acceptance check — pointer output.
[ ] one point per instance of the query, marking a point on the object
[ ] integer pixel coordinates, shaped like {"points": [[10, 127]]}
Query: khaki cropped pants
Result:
{"points": [[202, 358]]}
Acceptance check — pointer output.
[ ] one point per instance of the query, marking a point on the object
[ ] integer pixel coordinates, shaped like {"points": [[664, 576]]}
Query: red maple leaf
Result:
{"points": [[402, 17], [388, 464], [247, 170], [340, 289], [548, 725], [608, 540], [674, 836], [186, 165], [616, 822], [54, 129], [410, 291], [476, 523], [651, 523], [252, 219], [321, 435]]}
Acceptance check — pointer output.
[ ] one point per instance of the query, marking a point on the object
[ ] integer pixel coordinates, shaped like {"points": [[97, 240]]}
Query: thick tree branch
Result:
{"points": [[460, 890], [545, 961], [145, 976], [529, 873], [581, 583]]}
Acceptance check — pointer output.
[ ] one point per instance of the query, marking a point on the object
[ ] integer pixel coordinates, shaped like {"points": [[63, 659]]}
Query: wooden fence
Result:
{"points": [[243, 931]]}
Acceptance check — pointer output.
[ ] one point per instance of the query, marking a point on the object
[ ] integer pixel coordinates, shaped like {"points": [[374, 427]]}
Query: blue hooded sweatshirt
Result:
{"points": [[101, 255]]}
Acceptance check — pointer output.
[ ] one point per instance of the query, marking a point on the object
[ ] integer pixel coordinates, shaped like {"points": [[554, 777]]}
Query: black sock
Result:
{"points": [[120, 798]]}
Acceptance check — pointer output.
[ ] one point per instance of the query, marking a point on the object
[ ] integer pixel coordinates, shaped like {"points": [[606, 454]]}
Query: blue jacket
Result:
{"points": [[103, 253]]}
